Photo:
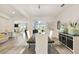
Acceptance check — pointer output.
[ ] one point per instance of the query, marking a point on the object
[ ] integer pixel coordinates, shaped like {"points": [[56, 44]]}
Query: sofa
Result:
{"points": [[3, 38]]}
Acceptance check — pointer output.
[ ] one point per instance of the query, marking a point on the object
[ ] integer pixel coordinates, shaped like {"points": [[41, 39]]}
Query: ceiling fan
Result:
{"points": [[62, 5]]}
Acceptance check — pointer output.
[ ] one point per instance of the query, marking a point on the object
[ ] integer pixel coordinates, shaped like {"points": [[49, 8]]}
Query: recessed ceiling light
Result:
{"points": [[13, 12]]}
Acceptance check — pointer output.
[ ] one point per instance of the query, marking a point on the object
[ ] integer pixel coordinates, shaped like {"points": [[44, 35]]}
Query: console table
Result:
{"points": [[71, 42]]}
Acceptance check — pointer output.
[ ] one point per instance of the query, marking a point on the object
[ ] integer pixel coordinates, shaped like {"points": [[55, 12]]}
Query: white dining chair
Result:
{"points": [[51, 34], [28, 35]]}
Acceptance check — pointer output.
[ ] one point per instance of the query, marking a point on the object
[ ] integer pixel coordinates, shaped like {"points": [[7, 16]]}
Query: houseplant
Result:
{"points": [[72, 28]]}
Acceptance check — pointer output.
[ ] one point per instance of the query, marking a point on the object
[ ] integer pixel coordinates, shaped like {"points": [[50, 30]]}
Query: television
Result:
{"points": [[35, 31], [15, 25]]}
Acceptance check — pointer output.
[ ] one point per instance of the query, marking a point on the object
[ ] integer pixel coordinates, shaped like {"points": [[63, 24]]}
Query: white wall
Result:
{"points": [[70, 14], [67, 15], [50, 20], [5, 25]]}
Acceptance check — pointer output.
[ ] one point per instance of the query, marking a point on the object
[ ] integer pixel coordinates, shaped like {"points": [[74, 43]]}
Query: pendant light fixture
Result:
{"points": [[62, 5], [39, 6]]}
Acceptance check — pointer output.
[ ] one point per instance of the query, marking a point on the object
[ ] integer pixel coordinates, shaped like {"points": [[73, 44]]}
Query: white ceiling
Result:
{"points": [[24, 10]]}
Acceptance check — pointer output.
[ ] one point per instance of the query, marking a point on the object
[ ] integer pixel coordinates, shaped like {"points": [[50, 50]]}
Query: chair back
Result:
{"points": [[28, 35], [51, 34]]}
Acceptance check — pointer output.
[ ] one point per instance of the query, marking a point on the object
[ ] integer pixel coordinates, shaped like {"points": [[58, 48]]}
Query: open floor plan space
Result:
{"points": [[39, 28]]}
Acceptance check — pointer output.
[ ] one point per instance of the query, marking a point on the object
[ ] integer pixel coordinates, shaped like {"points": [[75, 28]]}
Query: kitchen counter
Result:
{"points": [[69, 34]]}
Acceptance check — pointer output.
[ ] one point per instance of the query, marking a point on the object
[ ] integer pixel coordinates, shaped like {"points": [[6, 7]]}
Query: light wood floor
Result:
{"points": [[13, 46], [61, 48], [17, 46]]}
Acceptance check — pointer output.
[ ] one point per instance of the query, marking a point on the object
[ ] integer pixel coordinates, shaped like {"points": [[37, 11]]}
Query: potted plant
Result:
{"points": [[63, 28], [72, 28]]}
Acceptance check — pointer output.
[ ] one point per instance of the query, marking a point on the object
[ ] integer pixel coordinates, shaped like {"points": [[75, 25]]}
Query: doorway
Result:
{"points": [[39, 26]]}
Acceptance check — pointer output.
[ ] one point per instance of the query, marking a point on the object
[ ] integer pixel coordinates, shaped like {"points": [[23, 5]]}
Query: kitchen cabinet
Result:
{"points": [[64, 40], [70, 42], [76, 44], [67, 40]]}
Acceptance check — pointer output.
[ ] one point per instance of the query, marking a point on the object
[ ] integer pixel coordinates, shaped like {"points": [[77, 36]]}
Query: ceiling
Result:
{"points": [[27, 10]]}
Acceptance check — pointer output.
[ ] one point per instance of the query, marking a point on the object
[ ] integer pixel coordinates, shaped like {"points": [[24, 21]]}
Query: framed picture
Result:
{"points": [[58, 25]]}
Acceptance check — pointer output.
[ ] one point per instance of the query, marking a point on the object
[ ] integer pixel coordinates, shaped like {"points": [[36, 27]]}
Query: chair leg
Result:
{"points": [[51, 45], [29, 45]]}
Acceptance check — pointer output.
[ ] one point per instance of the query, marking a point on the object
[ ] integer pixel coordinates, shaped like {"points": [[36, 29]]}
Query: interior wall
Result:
{"points": [[26, 20], [48, 19], [51, 21], [69, 15], [5, 25], [10, 23]]}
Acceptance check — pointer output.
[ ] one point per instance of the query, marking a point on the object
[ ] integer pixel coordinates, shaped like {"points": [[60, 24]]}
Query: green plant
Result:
{"points": [[74, 24]]}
